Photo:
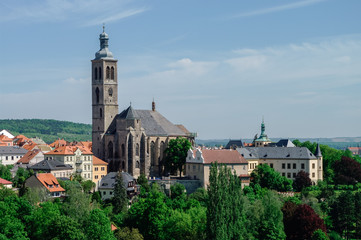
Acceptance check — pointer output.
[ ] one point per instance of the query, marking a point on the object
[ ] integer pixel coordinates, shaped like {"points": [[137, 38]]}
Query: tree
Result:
{"points": [[319, 235], [267, 177], [357, 215], [120, 199], [343, 214], [128, 234], [65, 227], [305, 222], [5, 172], [87, 185], [98, 226], [302, 180], [347, 171], [176, 154], [143, 182], [77, 204]]}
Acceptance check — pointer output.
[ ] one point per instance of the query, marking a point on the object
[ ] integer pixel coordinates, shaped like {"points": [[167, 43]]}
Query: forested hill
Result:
{"points": [[48, 130]]}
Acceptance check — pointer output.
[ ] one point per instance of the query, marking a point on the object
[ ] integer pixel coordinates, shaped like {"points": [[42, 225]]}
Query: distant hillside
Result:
{"points": [[48, 130]]}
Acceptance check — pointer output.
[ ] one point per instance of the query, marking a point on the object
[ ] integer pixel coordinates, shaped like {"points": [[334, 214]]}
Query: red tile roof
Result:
{"points": [[69, 150], [97, 161], [5, 182], [29, 146], [58, 143], [28, 156], [50, 182], [228, 156]]}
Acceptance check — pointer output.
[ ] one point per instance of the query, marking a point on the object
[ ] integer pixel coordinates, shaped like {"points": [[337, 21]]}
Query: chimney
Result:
{"points": [[153, 105]]}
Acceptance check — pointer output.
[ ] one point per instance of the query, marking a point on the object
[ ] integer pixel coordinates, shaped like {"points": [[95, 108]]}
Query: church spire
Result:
{"points": [[104, 52]]}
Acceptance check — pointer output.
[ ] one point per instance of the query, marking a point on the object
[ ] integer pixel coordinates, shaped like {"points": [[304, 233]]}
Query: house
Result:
{"points": [[355, 150], [107, 184], [46, 181], [199, 161], [5, 140], [9, 155], [5, 183], [20, 140], [288, 161], [7, 133], [31, 157], [55, 167], [78, 157], [100, 169], [59, 143]]}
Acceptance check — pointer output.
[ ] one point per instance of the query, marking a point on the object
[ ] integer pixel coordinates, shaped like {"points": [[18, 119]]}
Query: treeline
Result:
{"points": [[47, 129]]}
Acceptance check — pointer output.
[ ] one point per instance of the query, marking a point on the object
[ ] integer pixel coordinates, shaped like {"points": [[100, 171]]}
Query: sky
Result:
{"points": [[217, 67]]}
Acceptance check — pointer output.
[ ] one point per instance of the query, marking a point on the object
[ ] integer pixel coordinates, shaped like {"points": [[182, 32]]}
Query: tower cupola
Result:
{"points": [[104, 52]]}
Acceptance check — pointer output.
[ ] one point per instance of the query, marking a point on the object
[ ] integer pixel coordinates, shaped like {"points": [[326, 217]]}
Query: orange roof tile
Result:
{"points": [[28, 156], [58, 143], [222, 156], [68, 150], [29, 146], [5, 138], [4, 181], [50, 182], [97, 161]]}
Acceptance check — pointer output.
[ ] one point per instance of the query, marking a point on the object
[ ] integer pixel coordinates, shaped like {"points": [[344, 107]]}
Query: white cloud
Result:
{"points": [[278, 8]]}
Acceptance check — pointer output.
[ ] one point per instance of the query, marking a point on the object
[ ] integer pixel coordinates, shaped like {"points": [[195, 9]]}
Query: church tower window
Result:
{"points": [[96, 73], [100, 73], [112, 73], [108, 72], [101, 113], [97, 94]]}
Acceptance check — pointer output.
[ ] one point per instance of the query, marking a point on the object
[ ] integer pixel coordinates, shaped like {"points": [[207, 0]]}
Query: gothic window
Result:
{"points": [[100, 73], [110, 150], [97, 94], [112, 73], [101, 113], [96, 73], [123, 165], [130, 153], [152, 153], [137, 149], [162, 148], [108, 73], [110, 91], [137, 165]]}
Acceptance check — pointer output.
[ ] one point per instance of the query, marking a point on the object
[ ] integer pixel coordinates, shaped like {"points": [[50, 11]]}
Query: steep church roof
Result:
{"points": [[128, 113]]}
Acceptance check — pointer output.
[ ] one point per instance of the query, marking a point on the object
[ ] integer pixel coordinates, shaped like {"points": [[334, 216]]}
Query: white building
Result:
{"points": [[9, 155]]}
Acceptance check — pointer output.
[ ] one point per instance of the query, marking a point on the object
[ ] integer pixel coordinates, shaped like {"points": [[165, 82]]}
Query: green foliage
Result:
{"points": [[128, 234], [319, 235], [176, 154], [77, 204], [143, 182], [5, 172], [343, 214], [98, 226], [200, 195], [267, 177], [120, 199], [96, 197], [6, 192], [88, 185], [65, 227], [21, 175], [347, 171], [48, 130]]}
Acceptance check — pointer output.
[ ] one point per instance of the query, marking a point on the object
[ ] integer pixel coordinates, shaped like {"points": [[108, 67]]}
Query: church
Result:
{"points": [[134, 140]]}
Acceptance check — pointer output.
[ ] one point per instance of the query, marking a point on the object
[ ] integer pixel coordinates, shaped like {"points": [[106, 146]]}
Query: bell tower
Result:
{"points": [[104, 94]]}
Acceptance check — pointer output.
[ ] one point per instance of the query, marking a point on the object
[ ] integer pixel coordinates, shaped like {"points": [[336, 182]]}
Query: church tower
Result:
{"points": [[104, 94]]}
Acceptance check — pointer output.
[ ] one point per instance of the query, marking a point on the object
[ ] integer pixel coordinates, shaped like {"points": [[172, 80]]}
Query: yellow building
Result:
{"points": [[100, 169]]}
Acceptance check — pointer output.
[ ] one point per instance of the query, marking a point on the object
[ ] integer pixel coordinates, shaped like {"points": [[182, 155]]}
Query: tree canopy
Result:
{"points": [[176, 154]]}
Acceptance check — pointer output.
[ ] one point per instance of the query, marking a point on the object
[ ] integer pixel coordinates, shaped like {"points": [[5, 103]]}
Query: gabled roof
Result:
{"points": [[226, 156], [108, 181], [5, 138], [50, 165], [276, 153], [68, 150], [98, 161], [12, 150], [29, 146], [234, 144], [4, 181], [28, 156], [50, 182], [58, 143], [128, 113], [285, 143]]}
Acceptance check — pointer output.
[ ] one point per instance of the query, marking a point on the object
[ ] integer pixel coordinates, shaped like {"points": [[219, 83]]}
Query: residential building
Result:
{"points": [[100, 169], [5, 183], [355, 150], [55, 167], [133, 140], [59, 143], [7, 133], [5, 140], [9, 155], [79, 158], [107, 184], [46, 181], [31, 157], [288, 161], [199, 161]]}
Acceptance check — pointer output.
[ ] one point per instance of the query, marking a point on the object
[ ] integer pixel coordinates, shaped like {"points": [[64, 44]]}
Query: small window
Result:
{"points": [[104, 193], [288, 165], [294, 166], [110, 193], [96, 169], [194, 167], [313, 174], [103, 168], [283, 165], [289, 175], [283, 174], [313, 166], [302, 166], [271, 165], [294, 175], [96, 177]]}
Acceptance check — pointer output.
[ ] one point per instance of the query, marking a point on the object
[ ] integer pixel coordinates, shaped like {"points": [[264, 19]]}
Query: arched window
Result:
{"points": [[96, 73], [152, 153], [108, 73], [100, 73], [97, 94], [112, 73], [101, 113], [137, 165], [137, 149]]}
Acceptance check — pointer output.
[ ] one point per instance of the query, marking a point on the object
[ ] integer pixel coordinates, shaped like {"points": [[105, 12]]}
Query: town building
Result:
{"points": [[9, 155], [288, 161], [355, 150], [5, 140], [47, 182], [30, 158], [79, 158], [107, 184], [55, 167], [134, 140], [5, 183], [199, 161], [7, 133], [100, 169]]}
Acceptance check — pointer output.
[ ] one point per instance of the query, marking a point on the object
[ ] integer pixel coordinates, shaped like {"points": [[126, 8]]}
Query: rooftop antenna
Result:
{"points": [[103, 27]]}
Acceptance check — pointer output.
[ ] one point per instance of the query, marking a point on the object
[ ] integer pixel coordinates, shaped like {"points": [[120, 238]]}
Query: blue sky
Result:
{"points": [[215, 66]]}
